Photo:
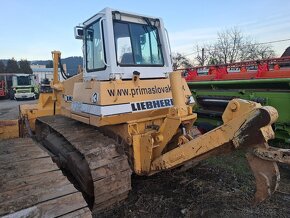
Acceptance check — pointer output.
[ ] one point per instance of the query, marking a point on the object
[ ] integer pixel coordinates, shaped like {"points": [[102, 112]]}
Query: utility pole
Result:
{"points": [[202, 56]]}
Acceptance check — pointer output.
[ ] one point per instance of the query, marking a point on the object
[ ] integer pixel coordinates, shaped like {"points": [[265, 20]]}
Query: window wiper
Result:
{"points": [[146, 19]]}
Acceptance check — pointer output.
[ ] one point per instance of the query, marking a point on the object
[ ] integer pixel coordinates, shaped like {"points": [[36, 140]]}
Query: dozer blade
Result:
{"points": [[247, 125], [266, 174]]}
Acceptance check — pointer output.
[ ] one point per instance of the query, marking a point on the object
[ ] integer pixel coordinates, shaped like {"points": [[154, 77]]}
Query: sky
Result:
{"points": [[31, 29]]}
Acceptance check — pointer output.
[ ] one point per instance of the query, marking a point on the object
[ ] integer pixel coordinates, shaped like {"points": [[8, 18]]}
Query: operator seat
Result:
{"points": [[127, 58]]}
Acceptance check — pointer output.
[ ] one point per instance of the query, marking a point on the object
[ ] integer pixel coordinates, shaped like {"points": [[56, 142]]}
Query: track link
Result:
{"points": [[96, 162]]}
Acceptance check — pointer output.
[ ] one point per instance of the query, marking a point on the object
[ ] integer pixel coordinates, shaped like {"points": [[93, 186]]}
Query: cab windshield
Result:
{"points": [[23, 80], [137, 44]]}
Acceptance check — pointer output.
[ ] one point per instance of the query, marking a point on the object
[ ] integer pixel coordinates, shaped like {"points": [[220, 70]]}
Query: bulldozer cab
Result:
{"points": [[117, 44]]}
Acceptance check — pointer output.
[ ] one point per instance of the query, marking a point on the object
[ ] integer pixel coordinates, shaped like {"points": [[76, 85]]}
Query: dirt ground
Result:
{"points": [[218, 187]]}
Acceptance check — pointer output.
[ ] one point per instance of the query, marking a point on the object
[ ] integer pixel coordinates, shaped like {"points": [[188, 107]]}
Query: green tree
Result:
{"points": [[12, 66], [24, 66], [2, 67]]}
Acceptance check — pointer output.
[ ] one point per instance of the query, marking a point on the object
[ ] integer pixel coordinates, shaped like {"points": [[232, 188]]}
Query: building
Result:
{"points": [[286, 52], [37, 66], [42, 73]]}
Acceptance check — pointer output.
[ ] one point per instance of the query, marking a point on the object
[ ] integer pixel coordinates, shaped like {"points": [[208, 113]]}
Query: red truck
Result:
{"points": [[3, 87]]}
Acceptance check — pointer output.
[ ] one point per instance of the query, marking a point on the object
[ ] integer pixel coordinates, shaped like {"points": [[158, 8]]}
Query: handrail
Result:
{"points": [[102, 42]]}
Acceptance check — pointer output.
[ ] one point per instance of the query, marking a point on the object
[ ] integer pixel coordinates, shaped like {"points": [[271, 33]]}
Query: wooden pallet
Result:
{"points": [[31, 185]]}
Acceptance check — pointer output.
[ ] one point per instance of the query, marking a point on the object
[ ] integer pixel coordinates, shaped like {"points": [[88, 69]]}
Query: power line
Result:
{"points": [[259, 43], [270, 42], [193, 53]]}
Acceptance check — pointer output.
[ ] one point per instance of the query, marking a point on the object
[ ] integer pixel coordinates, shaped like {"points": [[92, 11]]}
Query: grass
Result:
{"points": [[235, 163]]}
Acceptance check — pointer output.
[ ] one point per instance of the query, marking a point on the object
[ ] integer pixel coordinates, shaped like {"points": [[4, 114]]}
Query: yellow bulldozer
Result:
{"points": [[126, 111]]}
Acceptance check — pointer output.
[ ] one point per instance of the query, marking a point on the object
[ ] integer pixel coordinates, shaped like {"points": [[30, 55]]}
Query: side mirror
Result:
{"points": [[79, 32]]}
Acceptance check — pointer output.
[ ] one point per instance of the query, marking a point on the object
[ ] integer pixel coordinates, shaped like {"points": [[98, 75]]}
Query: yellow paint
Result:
{"points": [[178, 93], [129, 91], [48, 103], [229, 134], [155, 139], [9, 129], [44, 107]]}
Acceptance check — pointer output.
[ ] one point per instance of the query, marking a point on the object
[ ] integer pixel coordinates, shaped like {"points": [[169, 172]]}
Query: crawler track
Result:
{"points": [[96, 163], [31, 185]]}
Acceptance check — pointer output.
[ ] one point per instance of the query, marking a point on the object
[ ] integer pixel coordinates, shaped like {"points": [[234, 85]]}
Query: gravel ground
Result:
{"points": [[9, 108]]}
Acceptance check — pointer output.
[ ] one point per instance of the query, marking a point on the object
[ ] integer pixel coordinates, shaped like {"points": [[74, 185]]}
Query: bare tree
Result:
{"points": [[180, 61], [265, 52], [233, 46], [253, 50]]}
